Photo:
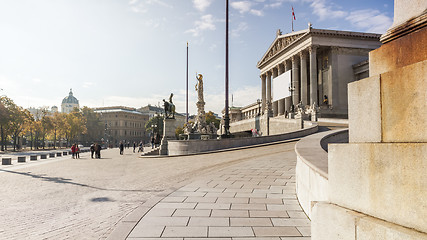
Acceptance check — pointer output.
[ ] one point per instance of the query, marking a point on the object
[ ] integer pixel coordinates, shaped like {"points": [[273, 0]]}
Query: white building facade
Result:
{"points": [[319, 64]]}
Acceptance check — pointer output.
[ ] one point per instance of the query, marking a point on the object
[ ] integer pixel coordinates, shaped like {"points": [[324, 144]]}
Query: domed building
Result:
{"points": [[69, 103]]}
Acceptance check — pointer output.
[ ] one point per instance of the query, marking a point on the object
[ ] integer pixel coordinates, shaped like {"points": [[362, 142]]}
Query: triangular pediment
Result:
{"points": [[279, 44]]}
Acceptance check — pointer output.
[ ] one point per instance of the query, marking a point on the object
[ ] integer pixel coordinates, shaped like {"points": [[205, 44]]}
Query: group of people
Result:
{"points": [[95, 148], [155, 140], [75, 151]]}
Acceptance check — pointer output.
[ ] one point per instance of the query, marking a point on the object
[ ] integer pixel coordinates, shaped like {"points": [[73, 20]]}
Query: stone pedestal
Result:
{"points": [[169, 126], [377, 182], [6, 161]]}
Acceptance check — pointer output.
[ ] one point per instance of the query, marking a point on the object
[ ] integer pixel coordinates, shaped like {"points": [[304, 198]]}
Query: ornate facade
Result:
{"points": [[321, 64]]}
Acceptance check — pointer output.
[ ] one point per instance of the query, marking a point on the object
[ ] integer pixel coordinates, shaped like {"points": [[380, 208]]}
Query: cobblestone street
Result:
{"points": [[84, 198]]}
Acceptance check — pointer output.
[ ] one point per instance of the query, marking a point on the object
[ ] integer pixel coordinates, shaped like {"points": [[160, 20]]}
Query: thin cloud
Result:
{"points": [[370, 20], [206, 22], [202, 5], [242, 6], [243, 26], [324, 11], [246, 7]]}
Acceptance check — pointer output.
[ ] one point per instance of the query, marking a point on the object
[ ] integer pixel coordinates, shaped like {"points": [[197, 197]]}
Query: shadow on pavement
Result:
{"points": [[69, 181]]}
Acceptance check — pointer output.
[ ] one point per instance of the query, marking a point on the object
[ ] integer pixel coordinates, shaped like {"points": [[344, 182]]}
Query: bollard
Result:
{"points": [[33, 158], [58, 154], [43, 156], [22, 159], [6, 161]]}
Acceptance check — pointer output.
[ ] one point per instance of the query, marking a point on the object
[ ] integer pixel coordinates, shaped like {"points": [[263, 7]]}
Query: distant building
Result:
{"points": [[38, 113], [154, 110], [123, 124], [69, 103]]}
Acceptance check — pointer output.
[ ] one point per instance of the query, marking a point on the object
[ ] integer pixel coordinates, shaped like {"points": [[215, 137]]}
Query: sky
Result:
{"points": [[133, 52]]}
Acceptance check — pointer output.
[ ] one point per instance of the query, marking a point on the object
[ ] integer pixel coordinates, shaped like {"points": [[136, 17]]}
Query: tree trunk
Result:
{"points": [[2, 138], [54, 140]]}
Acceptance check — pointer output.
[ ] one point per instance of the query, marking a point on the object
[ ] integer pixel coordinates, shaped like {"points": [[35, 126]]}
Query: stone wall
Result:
{"points": [[185, 147], [312, 167], [377, 182]]}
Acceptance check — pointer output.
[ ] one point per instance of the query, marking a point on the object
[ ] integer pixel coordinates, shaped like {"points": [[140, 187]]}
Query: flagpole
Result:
{"points": [[186, 103], [226, 117]]}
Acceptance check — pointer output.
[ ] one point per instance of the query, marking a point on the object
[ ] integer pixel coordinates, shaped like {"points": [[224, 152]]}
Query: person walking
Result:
{"points": [[77, 151], [97, 150], [141, 147], [73, 150], [152, 141], [121, 146], [92, 150], [157, 140], [134, 146]]}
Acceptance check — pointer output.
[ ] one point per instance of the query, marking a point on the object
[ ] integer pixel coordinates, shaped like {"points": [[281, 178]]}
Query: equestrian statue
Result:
{"points": [[169, 108]]}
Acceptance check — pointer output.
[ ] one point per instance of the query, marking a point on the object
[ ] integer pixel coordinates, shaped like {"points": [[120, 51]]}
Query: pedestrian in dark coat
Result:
{"points": [[121, 146], [92, 150]]}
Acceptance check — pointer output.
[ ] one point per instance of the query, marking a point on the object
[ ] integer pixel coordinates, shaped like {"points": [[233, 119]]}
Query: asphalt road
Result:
{"points": [[84, 198]]}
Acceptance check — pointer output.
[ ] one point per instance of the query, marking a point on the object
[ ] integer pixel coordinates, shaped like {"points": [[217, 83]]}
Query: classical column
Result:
{"points": [[295, 81], [268, 100], [303, 59], [274, 104], [288, 65], [313, 75], [279, 69], [263, 91]]}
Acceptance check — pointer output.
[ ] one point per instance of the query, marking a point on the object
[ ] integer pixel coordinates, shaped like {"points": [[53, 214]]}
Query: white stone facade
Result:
{"points": [[321, 63]]}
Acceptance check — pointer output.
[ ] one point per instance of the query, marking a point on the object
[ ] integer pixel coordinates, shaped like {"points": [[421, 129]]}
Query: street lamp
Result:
{"points": [[259, 106]]}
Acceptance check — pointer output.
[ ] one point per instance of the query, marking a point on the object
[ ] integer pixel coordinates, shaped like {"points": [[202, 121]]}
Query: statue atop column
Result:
{"points": [[200, 126], [199, 87]]}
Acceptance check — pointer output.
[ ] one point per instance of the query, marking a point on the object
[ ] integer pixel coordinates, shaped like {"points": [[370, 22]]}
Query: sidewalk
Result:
{"points": [[252, 199]]}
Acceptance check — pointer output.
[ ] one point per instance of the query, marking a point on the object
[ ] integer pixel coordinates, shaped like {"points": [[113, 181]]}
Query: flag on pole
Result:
{"points": [[293, 13]]}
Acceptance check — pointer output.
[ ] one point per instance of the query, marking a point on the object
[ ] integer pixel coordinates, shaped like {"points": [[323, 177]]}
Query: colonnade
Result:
{"points": [[301, 78]]}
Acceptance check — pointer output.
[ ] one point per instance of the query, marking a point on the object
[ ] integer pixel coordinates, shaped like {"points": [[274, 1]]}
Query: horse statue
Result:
{"points": [[169, 108]]}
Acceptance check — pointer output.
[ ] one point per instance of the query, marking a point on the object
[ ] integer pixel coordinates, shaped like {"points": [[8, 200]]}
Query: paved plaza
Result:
{"points": [[245, 193]]}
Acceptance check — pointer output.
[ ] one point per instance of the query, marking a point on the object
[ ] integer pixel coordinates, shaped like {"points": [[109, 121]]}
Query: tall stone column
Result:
{"points": [[263, 91], [288, 65], [274, 104], [268, 100], [303, 59], [295, 81], [279, 69], [313, 75]]}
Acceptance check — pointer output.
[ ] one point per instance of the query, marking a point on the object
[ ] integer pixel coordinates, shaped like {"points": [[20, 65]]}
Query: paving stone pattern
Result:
{"points": [[254, 199], [64, 198]]}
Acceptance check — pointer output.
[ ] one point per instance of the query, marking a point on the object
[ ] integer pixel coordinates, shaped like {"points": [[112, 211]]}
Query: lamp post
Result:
{"points": [[226, 117], [259, 106]]}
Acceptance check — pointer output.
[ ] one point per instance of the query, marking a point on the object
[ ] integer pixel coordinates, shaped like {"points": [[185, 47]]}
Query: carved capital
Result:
{"points": [[313, 48]]}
